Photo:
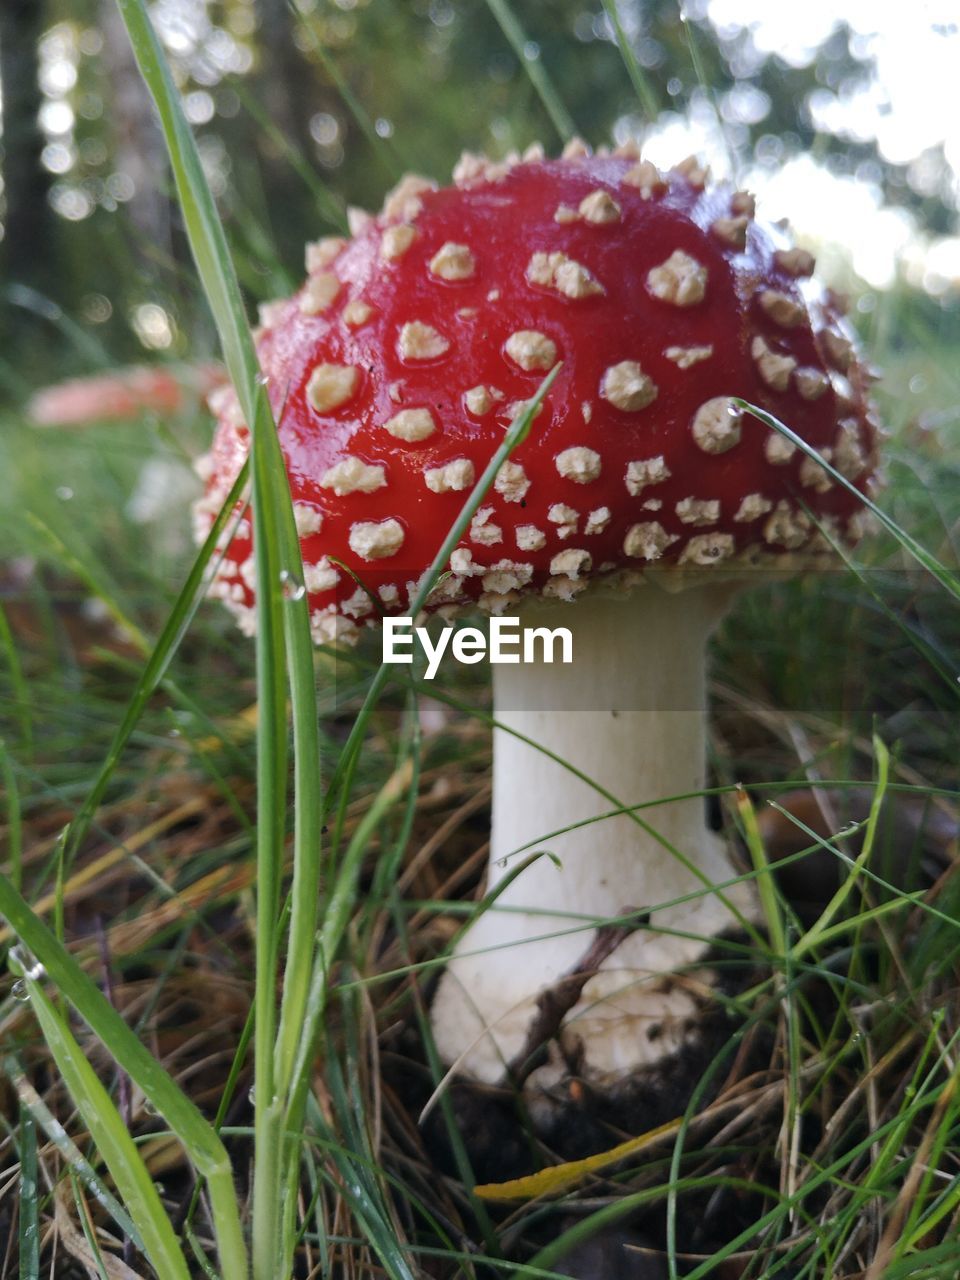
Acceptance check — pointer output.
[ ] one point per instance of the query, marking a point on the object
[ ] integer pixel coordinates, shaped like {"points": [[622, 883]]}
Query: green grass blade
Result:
{"points": [[201, 1143], [329, 206], [916, 1227], [703, 79], [283, 625], [308, 821], [226, 1098], [623, 1206], [92, 578], [14, 817], [536, 71], [158, 663], [766, 886], [634, 812], [272, 758], [28, 1229], [283, 633], [284, 650], [455, 1137], [80, 337], [83, 1217], [73, 1157], [197, 1249], [383, 148], [641, 83], [363, 1179], [18, 683], [343, 897], [947, 578], [818, 1178], [388, 867], [816, 931], [913, 633], [207, 240], [116, 1147], [514, 437], [336, 919]]}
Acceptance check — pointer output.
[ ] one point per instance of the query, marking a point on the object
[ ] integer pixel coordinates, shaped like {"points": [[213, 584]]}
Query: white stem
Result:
{"points": [[628, 714]]}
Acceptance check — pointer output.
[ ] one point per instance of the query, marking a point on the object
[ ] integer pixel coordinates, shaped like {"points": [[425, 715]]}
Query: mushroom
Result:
{"points": [[123, 394], [641, 500]]}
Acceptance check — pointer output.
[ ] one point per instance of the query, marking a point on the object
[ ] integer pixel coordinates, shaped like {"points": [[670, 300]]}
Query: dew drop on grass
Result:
{"points": [[28, 962], [19, 991], [292, 588], [64, 492], [262, 379], [531, 51], [252, 1095]]}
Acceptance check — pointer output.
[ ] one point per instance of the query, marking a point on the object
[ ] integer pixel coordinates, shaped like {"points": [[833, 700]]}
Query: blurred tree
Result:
{"points": [[303, 106], [133, 134], [289, 88], [27, 218]]}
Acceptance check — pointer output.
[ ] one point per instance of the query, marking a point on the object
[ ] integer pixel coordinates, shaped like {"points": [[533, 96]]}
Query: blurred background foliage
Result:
{"points": [[846, 120], [303, 107]]}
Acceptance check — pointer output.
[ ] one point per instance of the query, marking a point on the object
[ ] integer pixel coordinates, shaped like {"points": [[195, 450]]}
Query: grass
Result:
{"points": [[246, 911]]}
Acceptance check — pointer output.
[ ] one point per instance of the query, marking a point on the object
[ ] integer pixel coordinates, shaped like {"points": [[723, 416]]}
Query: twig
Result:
{"points": [[554, 1003]]}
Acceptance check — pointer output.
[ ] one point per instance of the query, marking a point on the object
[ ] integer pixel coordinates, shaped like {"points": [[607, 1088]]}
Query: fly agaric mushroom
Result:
{"points": [[123, 394], [394, 373]]}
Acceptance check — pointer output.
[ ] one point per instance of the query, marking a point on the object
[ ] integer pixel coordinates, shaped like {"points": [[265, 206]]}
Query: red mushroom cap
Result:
{"points": [[397, 367], [122, 394]]}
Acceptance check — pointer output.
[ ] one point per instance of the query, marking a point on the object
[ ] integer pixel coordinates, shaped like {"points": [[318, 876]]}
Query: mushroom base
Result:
{"points": [[628, 714]]}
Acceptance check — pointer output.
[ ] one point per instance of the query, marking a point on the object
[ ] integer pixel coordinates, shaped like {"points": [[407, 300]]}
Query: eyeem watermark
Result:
{"points": [[505, 641]]}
